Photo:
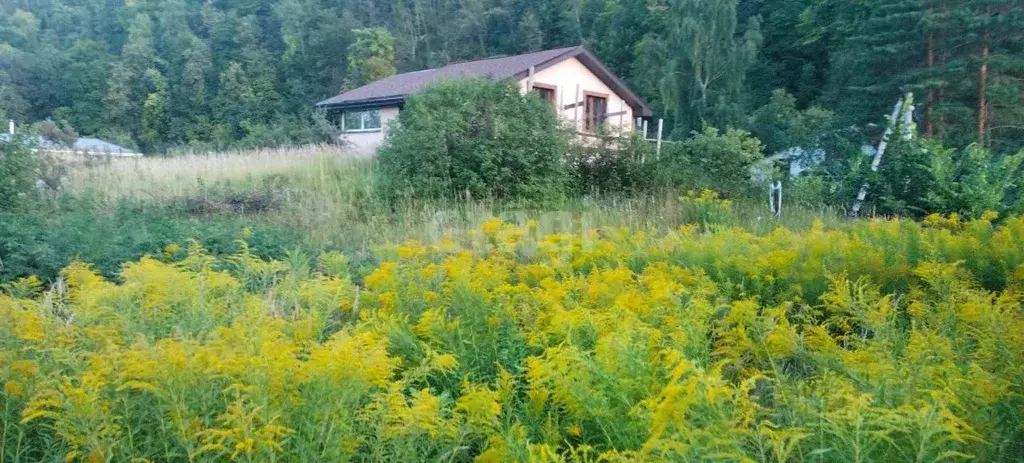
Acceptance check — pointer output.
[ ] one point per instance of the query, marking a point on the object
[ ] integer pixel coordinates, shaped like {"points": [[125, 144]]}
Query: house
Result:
{"points": [[580, 88]]}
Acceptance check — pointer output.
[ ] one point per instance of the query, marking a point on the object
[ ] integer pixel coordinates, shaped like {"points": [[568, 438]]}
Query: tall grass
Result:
{"points": [[154, 177], [329, 197]]}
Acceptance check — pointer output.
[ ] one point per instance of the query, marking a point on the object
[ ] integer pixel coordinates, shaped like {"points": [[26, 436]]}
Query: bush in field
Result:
{"points": [[919, 177], [474, 136], [780, 125], [612, 166], [711, 159], [903, 181], [505, 345], [974, 180], [42, 244], [18, 170]]}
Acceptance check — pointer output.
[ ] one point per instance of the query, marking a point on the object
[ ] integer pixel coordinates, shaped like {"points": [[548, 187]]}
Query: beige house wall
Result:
{"points": [[565, 76], [365, 143]]}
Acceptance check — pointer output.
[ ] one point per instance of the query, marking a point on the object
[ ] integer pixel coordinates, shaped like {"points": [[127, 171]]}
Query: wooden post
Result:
{"points": [[622, 114], [576, 108], [657, 151], [645, 129], [529, 80], [561, 103]]}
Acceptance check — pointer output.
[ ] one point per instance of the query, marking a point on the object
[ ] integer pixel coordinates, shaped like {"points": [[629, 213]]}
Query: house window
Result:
{"points": [[595, 109], [360, 121], [545, 92]]}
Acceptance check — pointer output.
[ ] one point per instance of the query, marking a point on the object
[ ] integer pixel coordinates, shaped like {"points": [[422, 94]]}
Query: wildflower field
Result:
{"points": [[883, 340]]}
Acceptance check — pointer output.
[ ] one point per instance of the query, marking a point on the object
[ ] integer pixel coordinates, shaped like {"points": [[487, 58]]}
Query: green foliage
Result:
{"points": [[154, 112], [879, 49], [694, 61], [919, 177], [612, 166], [371, 57], [780, 125], [61, 133], [974, 180], [474, 137], [707, 61], [711, 159], [807, 190], [43, 244], [18, 167], [903, 179]]}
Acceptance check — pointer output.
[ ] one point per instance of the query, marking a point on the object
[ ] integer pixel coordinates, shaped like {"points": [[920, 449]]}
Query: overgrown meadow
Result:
{"points": [[506, 340]]}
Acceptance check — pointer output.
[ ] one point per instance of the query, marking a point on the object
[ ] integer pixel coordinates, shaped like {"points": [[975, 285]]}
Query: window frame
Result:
{"points": [[553, 88], [362, 121], [590, 124]]}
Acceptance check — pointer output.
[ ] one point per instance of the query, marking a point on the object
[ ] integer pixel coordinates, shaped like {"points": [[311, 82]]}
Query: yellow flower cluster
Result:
{"points": [[879, 341]]}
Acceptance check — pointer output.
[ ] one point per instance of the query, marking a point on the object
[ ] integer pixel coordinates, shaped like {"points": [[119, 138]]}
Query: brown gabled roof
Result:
{"points": [[394, 89]]}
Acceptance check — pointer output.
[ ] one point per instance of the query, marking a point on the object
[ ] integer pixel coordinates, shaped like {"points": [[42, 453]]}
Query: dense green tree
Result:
{"points": [[127, 85], [18, 166], [962, 57], [780, 125], [788, 59], [477, 137], [86, 71], [371, 57], [154, 112], [707, 63], [530, 34]]}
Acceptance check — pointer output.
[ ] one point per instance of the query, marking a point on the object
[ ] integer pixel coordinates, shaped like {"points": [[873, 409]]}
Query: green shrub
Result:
{"points": [[474, 136], [918, 177], [18, 168], [42, 243], [806, 190], [612, 166], [711, 160], [780, 125], [974, 180]]}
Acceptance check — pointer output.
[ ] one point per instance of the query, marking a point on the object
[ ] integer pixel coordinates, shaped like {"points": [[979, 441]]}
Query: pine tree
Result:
{"points": [[995, 37], [879, 58]]}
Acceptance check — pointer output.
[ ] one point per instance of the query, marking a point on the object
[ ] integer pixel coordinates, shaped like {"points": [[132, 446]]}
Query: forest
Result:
{"points": [[215, 74]]}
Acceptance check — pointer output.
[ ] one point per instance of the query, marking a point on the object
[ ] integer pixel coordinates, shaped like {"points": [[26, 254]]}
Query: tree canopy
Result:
{"points": [[156, 74]]}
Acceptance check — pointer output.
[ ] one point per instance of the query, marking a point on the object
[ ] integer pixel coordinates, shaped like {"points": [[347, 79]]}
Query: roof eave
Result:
{"points": [[640, 107], [378, 102]]}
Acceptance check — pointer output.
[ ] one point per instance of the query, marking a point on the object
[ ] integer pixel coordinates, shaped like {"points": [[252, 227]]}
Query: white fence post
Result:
{"points": [[775, 198], [657, 151]]}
